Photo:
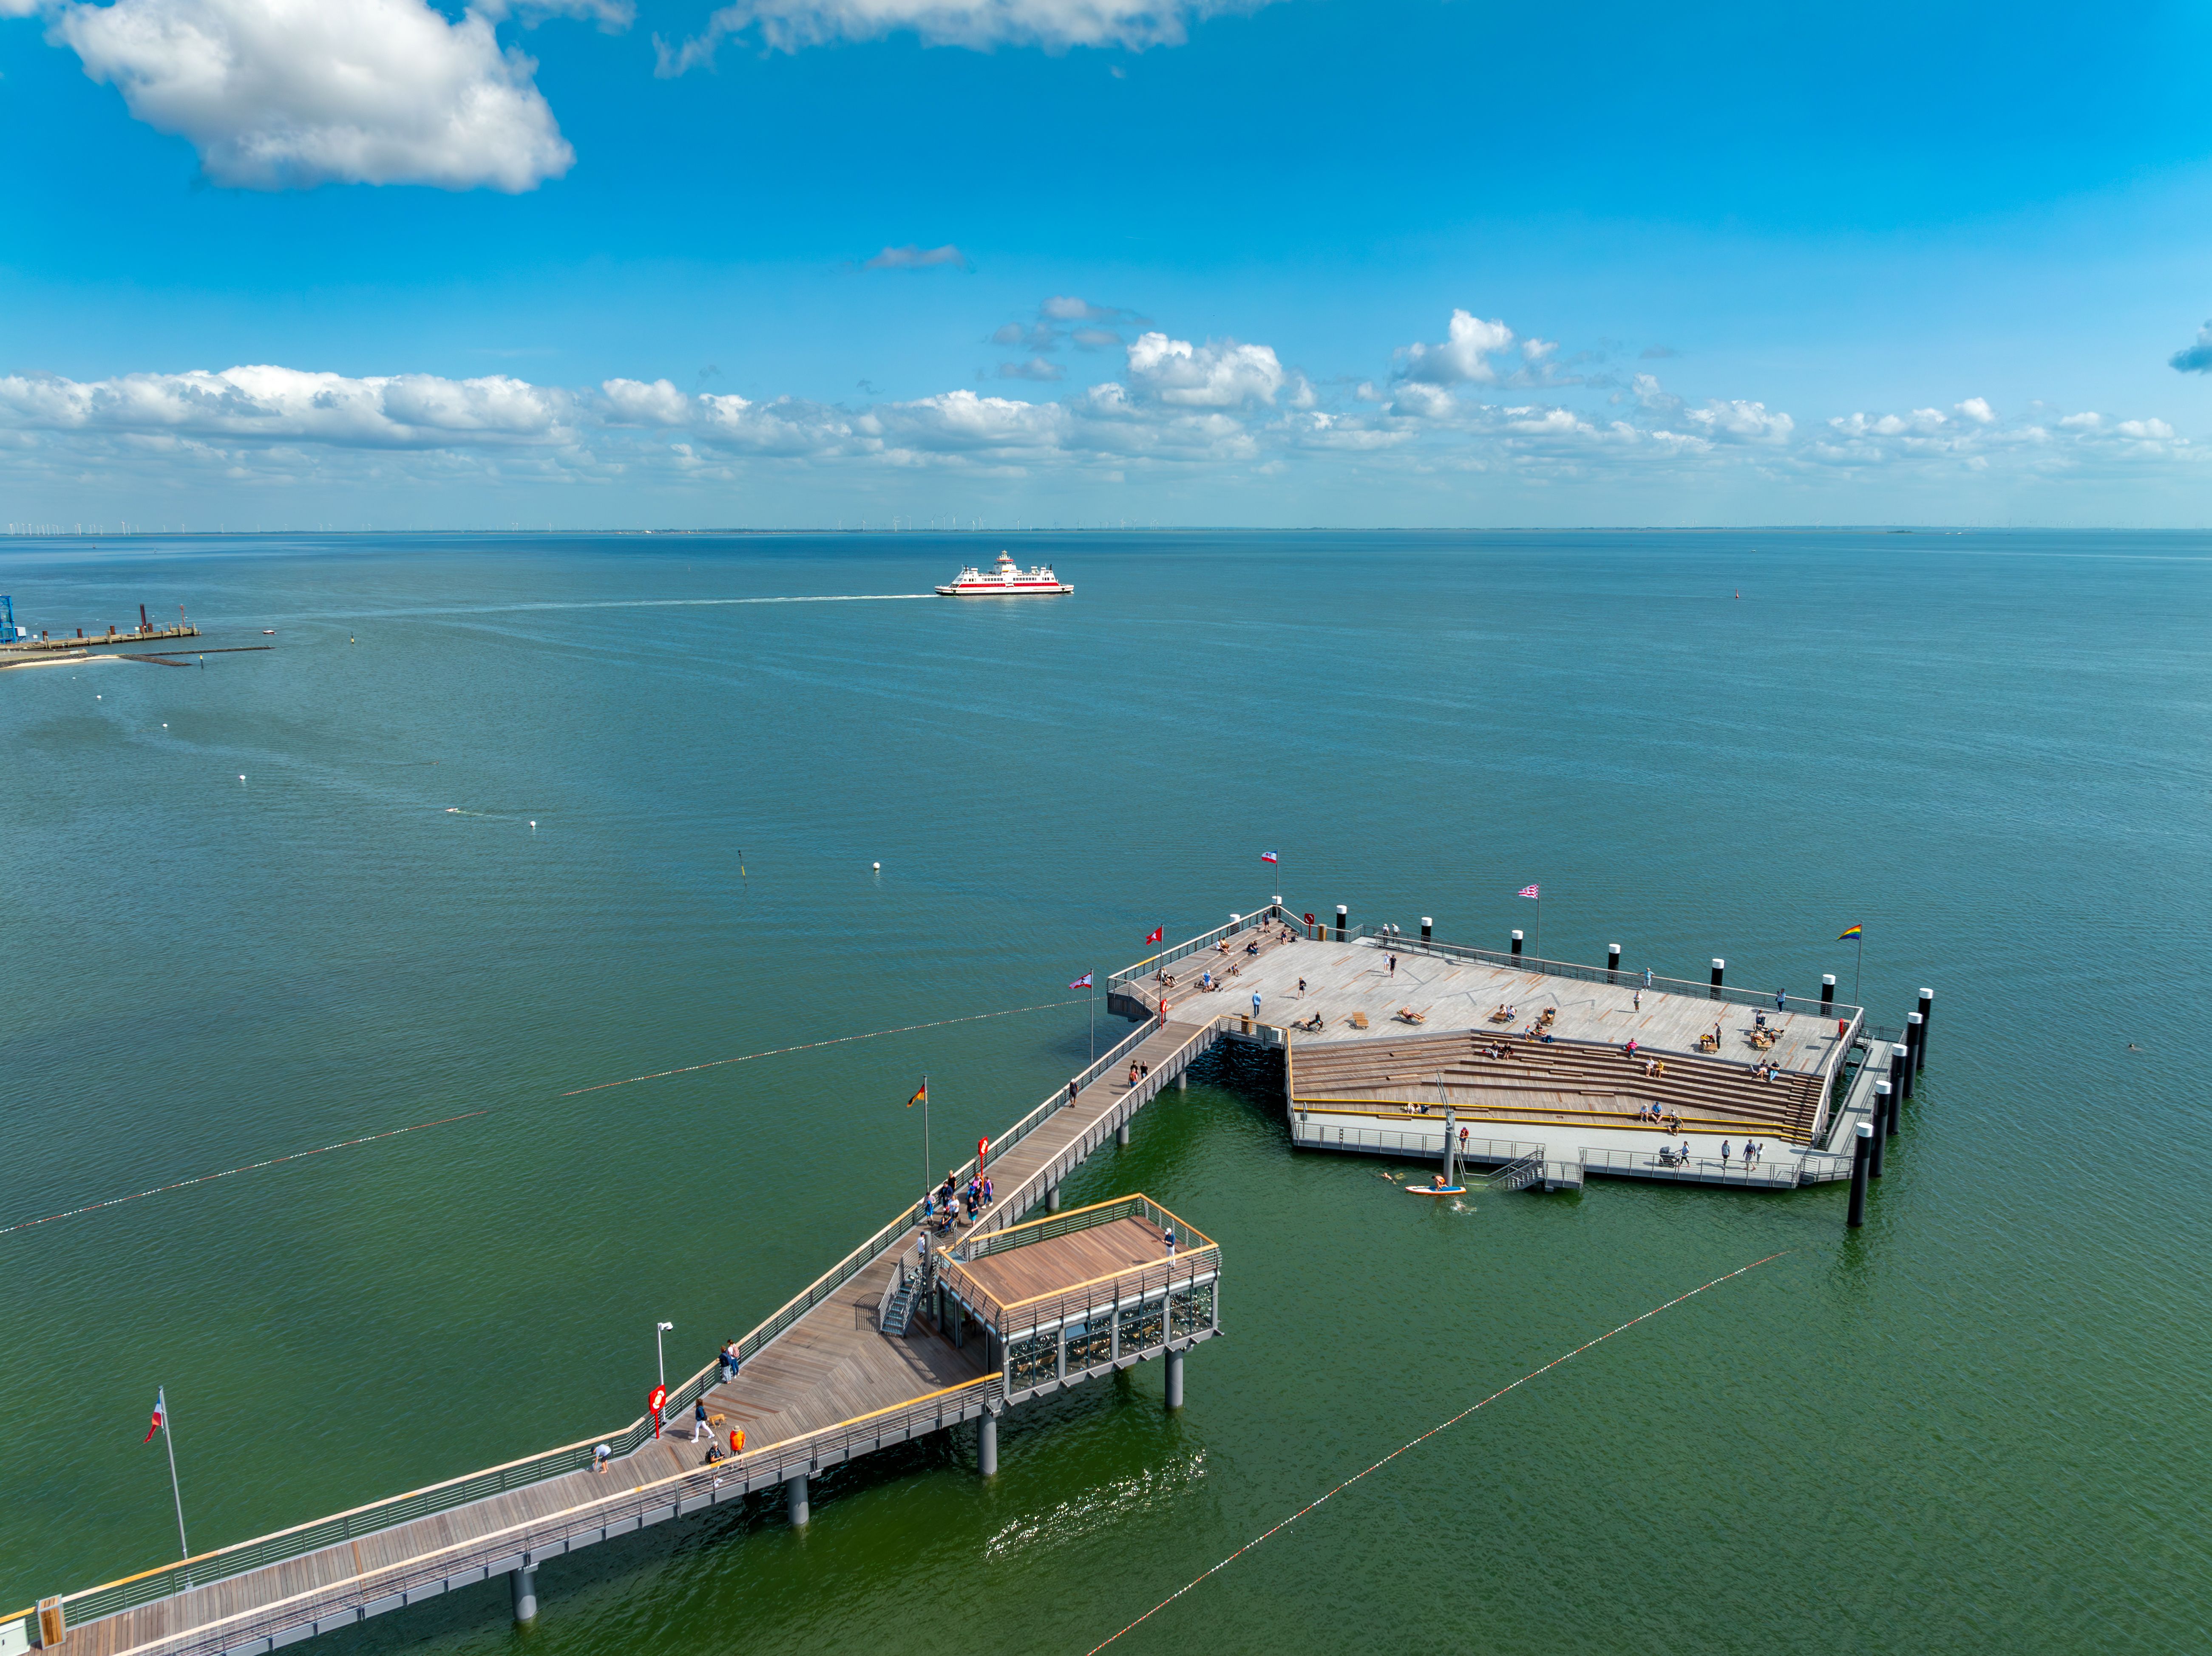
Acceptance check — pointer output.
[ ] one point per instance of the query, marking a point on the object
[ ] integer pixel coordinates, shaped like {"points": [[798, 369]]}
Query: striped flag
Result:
{"points": [[1083, 982], [1856, 932], [1269, 857], [920, 1094], [161, 1408], [1532, 891]]}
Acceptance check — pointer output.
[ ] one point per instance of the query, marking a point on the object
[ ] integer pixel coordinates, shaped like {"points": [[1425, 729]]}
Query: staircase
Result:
{"points": [[1519, 1175], [898, 1313]]}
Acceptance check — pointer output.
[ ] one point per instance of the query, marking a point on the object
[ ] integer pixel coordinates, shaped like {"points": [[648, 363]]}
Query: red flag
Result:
{"points": [[154, 1427], [1083, 982], [1158, 932]]}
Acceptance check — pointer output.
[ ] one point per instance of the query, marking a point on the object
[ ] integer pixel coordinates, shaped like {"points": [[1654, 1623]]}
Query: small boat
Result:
{"points": [[1006, 579], [269, 632]]}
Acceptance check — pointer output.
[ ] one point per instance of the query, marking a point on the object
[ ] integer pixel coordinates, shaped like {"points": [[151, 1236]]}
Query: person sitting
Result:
{"points": [[1253, 947], [1630, 1050], [716, 1454]]}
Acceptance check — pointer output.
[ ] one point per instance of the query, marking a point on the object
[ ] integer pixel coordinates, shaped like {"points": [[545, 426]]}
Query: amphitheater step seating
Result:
{"points": [[1552, 1077]]}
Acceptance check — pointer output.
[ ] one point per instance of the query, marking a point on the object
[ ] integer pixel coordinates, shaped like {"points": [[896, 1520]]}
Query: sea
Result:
{"points": [[495, 819]]}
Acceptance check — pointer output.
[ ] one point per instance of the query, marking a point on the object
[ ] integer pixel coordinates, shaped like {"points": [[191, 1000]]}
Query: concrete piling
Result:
{"points": [[1915, 1032], [522, 1586], [1516, 942], [1926, 1012], [1175, 1380], [1122, 1137], [1613, 962], [795, 1500], [1720, 967], [1859, 1154], [1343, 914], [1883, 1106], [986, 1445], [1183, 1082], [1828, 994], [1899, 1056], [1052, 1198], [1425, 924]]}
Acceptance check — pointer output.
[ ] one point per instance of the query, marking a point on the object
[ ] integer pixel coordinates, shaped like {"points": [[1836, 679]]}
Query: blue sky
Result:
{"points": [[372, 261]]}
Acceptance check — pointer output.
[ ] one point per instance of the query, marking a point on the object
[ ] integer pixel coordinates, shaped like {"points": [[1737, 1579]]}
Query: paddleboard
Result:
{"points": [[1433, 1190]]}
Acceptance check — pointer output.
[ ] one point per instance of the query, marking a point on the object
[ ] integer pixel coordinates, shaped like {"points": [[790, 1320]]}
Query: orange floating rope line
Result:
{"points": [[1411, 1443]]}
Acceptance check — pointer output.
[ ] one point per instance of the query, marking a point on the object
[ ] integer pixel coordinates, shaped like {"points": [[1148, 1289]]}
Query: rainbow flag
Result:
{"points": [[1856, 932]]}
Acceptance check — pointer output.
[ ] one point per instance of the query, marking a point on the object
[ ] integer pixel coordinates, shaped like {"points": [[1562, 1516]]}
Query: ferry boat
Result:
{"points": [[1006, 579]]}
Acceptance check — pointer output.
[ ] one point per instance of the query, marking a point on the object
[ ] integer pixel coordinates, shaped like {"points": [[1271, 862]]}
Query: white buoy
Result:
{"points": [[165, 724], [879, 868], [241, 776], [533, 825]]}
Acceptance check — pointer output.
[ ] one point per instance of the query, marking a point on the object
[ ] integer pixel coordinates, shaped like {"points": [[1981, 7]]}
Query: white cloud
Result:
{"points": [[1213, 375], [632, 402], [281, 94], [1463, 358], [1055, 25], [1977, 410], [913, 256], [407, 411], [1749, 422]]}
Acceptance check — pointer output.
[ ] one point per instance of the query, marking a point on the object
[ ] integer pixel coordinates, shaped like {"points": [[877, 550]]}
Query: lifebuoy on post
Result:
{"points": [[654, 1403]]}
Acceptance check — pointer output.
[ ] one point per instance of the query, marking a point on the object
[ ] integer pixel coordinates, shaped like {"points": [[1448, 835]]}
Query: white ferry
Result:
{"points": [[1006, 579]]}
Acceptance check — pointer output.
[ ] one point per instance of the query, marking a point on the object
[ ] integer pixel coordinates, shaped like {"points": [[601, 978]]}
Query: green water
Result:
{"points": [[1978, 1424]]}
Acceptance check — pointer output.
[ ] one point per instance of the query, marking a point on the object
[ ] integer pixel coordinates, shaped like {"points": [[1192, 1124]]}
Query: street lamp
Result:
{"points": [[659, 1329]]}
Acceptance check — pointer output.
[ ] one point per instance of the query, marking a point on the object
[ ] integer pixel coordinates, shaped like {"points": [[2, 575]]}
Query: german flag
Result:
{"points": [[921, 1094]]}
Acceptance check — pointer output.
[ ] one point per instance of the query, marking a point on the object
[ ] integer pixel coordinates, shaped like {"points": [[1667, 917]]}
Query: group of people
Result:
{"points": [[1654, 1116], [949, 1204], [1138, 1071]]}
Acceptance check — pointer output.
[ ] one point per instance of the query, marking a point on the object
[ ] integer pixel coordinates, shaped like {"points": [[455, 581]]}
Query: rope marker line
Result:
{"points": [[394, 1132], [251, 1166], [1441, 1426], [808, 1047]]}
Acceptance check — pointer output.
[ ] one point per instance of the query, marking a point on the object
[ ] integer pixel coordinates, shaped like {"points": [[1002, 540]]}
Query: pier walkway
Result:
{"points": [[819, 1384]]}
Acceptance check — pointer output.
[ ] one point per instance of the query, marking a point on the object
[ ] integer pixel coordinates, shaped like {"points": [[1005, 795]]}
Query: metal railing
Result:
{"points": [[646, 1503], [1519, 1175], [90, 1603], [1174, 952], [1780, 1174], [1422, 1146]]}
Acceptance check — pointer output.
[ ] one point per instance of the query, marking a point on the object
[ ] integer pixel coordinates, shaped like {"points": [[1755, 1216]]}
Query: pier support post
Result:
{"points": [[1885, 1108], [522, 1584], [1613, 962], [1182, 1081], [1516, 943], [1052, 1198], [1342, 915], [1426, 923], [1828, 994], [1122, 1137], [1175, 1380], [1927, 1011], [1720, 967], [1859, 1153], [986, 1445], [1900, 1057], [795, 1500], [1915, 1032]]}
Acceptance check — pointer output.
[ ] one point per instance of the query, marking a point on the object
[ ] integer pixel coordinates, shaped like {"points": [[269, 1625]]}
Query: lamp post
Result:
{"points": [[660, 1360]]}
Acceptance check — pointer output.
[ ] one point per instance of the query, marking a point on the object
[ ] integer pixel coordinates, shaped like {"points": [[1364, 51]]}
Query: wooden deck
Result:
{"points": [[1016, 1274], [829, 1369]]}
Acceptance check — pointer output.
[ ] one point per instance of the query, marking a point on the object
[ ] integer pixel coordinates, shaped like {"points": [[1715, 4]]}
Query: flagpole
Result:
{"points": [[1090, 1011], [928, 1182], [1858, 970], [1540, 922], [169, 1442]]}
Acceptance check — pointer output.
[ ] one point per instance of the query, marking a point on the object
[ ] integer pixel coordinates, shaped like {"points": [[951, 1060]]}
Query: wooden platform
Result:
{"points": [[1122, 1246], [829, 1371]]}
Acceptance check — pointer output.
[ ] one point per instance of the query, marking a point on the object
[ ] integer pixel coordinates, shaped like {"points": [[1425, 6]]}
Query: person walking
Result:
{"points": [[730, 1360], [1635, 1000], [1393, 965], [1171, 1236], [700, 1427], [1781, 1000], [1255, 1003], [1302, 988], [1724, 1152]]}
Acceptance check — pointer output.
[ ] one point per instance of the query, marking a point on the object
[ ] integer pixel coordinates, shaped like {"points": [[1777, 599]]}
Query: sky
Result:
{"points": [[1006, 263]]}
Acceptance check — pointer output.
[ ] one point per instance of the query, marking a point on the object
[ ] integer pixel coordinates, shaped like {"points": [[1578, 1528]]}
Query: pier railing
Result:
{"points": [[92, 1603], [1189, 946], [617, 1511]]}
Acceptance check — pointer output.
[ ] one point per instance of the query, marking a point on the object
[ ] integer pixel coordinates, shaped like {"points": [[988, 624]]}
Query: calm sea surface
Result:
{"points": [[1980, 1423]]}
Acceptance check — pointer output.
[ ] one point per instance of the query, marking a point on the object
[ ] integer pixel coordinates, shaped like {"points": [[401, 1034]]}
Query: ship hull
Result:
{"points": [[1041, 589]]}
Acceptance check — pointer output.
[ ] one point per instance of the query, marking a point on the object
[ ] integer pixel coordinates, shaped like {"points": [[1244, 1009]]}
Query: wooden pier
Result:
{"points": [[995, 1313], [142, 634], [917, 1331]]}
